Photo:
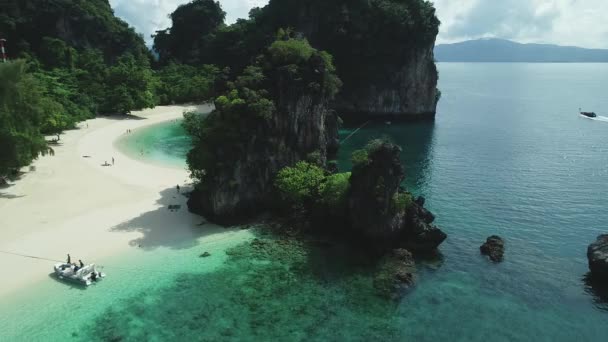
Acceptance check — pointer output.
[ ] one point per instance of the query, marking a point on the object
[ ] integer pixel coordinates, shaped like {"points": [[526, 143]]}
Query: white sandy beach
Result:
{"points": [[72, 204]]}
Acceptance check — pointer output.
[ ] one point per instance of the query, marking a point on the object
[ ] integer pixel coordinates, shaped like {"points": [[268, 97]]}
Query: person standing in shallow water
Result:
{"points": [[178, 188]]}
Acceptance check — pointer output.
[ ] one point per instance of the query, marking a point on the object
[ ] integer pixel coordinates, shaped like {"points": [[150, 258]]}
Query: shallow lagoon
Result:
{"points": [[507, 155]]}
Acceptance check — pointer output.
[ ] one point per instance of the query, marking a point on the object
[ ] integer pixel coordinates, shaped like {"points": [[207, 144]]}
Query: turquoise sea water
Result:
{"points": [[507, 155], [165, 143]]}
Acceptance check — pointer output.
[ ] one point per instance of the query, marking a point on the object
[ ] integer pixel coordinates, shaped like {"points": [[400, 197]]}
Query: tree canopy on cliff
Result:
{"points": [[355, 32], [24, 109], [193, 26], [253, 100], [84, 56]]}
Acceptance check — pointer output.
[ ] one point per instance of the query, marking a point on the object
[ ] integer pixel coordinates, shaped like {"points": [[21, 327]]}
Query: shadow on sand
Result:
{"points": [[9, 196], [121, 117], [174, 228]]}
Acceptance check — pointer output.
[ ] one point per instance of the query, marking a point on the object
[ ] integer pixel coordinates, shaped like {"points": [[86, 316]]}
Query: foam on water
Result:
{"points": [[597, 118]]}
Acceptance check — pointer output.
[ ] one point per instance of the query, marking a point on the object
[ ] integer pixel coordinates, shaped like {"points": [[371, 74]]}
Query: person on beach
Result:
{"points": [[178, 188], [69, 259], [112, 161], [81, 263]]}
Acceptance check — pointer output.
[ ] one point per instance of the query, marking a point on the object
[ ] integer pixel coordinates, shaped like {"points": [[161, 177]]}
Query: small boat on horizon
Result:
{"points": [[587, 114]]}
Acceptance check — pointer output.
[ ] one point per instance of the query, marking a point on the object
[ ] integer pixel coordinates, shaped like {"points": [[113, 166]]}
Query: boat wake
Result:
{"points": [[597, 118]]}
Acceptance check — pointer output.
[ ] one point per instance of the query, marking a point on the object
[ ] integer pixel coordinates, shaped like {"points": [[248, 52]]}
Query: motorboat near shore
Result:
{"points": [[86, 275], [587, 114]]}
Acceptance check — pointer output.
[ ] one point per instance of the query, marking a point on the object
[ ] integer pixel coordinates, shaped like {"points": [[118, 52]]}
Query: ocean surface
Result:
{"points": [[508, 154]]}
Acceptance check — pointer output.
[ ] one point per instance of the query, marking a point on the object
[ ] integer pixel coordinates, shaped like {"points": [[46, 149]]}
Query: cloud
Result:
{"points": [[149, 16], [565, 22]]}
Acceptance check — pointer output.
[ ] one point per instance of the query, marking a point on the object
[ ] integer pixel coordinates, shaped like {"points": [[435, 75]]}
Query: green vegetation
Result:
{"points": [[402, 201], [24, 108], [301, 183], [308, 186], [250, 102], [333, 192], [361, 157], [180, 83], [379, 34], [81, 61], [189, 38]]}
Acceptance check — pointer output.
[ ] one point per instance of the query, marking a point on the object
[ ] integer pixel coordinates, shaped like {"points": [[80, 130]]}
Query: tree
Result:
{"points": [[180, 83], [300, 184], [191, 32], [131, 86], [23, 108]]}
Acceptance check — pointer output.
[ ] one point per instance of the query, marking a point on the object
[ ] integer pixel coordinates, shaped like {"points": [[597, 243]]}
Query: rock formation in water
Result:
{"points": [[380, 210], [383, 49], [275, 115], [494, 248], [597, 255]]}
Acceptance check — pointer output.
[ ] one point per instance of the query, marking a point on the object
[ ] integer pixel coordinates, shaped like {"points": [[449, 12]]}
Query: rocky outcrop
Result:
{"points": [[378, 208], [373, 184], [301, 124], [406, 92], [420, 234], [387, 64], [396, 274], [597, 255], [494, 248]]}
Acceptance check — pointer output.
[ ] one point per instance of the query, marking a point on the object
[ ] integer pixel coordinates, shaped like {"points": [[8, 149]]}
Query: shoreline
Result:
{"points": [[72, 204]]}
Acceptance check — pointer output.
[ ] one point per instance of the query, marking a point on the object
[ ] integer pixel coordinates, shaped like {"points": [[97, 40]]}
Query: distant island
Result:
{"points": [[501, 50]]}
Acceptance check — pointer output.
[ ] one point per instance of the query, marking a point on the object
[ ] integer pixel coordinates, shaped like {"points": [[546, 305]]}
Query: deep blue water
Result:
{"points": [[508, 155]]}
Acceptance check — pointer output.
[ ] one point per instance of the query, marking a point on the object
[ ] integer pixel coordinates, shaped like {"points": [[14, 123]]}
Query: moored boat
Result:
{"points": [[84, 276]]}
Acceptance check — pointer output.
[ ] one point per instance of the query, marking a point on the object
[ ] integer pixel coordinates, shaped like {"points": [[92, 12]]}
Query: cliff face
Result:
{"points": [[380, 210], [409, 91], [298, 129], [238, 181], [383, 51]]}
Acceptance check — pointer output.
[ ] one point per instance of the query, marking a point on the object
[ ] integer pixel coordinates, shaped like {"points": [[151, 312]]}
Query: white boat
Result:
{"points": [[86, 275]]}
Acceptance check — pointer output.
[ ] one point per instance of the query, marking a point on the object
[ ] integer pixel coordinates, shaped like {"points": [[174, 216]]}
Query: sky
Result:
{"points": [[563, 22]]}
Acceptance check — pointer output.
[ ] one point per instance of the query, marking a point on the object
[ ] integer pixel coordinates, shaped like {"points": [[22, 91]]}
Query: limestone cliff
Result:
{"points": [[380, 210], [408, 92], [276, 116], [383, 51]]}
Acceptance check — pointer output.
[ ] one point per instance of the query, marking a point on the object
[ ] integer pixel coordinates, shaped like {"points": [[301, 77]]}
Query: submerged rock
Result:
{"points": [[494, 248], [396, 274], [205, 255], [597, 255]]}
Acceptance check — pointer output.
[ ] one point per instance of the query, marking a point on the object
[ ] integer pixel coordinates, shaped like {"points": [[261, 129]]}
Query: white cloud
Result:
{"points": [[566, 22], [149, 16]]}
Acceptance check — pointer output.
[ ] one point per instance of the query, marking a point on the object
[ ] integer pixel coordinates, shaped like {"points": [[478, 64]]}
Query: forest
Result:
{"points": [[78, 60]]}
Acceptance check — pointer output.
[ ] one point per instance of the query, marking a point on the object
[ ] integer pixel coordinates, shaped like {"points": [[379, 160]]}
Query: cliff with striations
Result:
{"points": [[383, 51]]}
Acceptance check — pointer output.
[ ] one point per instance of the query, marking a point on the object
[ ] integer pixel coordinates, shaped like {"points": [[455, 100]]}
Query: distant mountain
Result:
{"points": [[500, 50]]}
